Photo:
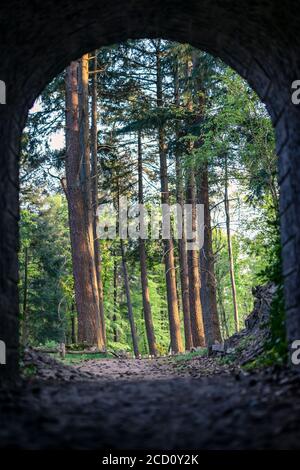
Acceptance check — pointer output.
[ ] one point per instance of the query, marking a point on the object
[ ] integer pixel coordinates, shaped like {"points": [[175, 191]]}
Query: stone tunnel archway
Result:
{"points": [[39, 39]]}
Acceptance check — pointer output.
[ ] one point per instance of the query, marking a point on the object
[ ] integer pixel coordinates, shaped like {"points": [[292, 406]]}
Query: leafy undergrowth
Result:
{"points": [[28, 371], [270, 357], [276, 347]]}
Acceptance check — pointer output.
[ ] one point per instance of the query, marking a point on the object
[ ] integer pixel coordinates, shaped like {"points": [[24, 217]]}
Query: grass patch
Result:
{"points": [[75, 358], [190, 355]]}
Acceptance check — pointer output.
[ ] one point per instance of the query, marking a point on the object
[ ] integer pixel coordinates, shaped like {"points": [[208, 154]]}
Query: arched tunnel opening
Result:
{"points": [[156, 192]]}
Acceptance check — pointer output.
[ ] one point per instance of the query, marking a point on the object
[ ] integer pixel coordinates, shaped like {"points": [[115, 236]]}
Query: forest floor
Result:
{"points": [[193, 401], [169, 403]]}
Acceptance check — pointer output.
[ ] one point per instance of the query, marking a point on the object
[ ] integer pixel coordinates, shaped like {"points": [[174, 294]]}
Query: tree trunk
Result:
{"points": [[183, 262], [143, 262], [25, 297], [115, 330], [230, 254], [94, 188], [224, 322], [193, 255], [73, 325], [208, 280], [193, 269], [129, 304], [85, 280], [85, 176], [173, 311]]}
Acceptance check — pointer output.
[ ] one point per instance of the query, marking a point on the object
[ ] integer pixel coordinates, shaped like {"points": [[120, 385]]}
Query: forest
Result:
{"points": [[160, 123]]}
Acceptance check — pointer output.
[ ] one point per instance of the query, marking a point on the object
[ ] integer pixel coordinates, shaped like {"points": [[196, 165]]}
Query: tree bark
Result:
{"points": [[129, 304], [115, 330], [194, 273], [224, 322], [73, 325], [85, 280], [25, 298], [229, 244], [85, 176], [94, 189], [173, 311], [208, 280], [182, 248], [143, 262], [193, 255]]}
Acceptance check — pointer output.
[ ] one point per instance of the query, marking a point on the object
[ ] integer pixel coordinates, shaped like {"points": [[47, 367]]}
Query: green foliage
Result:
{"points": [[27, 371], [276, 348], [44, 232], [233, 123], [245, 276], [270, 357]]}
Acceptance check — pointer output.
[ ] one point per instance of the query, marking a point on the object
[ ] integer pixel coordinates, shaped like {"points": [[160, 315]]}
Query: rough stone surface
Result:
{"points": [[38, 39]]}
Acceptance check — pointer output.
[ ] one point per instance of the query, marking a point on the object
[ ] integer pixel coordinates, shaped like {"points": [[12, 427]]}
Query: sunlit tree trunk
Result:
{"points": [[193, 269], [229, 244], [193, 255], [143, 262], [25, 299], [208, 280], [73, 324], [94, 189], [85, 177], [81, 234], [224, 322], [183, 262], [115, 329], [173, 311]]}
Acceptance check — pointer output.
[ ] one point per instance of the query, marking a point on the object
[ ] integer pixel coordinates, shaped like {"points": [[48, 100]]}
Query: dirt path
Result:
{"points": [[128, 369], [162, 368], [125, 404]]}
